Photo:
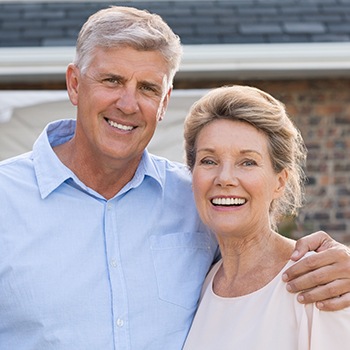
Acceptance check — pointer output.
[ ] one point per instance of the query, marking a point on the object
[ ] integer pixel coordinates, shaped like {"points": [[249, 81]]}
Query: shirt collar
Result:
{"points": [[148, 168], [51, 172]]}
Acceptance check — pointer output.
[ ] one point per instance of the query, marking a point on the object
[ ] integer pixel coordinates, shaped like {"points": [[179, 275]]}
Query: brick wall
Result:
{"points": [[321, 110]]}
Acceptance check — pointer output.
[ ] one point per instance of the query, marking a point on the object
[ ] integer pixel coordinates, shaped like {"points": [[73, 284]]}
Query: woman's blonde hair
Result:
{"points": [[268, 115]]}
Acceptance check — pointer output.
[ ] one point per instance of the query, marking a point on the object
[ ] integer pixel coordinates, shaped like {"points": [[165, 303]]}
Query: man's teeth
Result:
{"points": [[119, 126], [228, 201]]}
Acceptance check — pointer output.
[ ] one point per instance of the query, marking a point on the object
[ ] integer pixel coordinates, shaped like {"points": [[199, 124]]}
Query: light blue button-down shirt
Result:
{"points": [[79, 272]]}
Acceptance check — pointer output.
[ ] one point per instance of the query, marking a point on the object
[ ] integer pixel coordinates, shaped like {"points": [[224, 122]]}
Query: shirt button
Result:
{"points": [[109, 206], [120, 322], [114, 263]]}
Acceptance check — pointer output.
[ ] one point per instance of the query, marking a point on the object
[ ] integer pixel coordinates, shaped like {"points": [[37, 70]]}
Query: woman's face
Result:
{"points": [[233, 179]]}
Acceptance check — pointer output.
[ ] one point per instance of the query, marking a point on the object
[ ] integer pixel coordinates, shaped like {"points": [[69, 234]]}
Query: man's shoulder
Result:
{"points": [[171, 168], [15, 162], [15, 174], [169, 164]]}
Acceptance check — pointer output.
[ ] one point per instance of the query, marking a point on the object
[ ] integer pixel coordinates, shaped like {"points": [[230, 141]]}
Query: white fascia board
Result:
{"points": [[34, 63], [247, 61], [237, 61]]}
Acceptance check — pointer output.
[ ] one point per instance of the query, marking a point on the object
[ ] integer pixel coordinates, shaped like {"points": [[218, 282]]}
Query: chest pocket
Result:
{"points": [[181, 262]]}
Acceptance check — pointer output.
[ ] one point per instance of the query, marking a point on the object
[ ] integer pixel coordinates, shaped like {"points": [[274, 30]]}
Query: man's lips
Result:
{"points": [[119, 126]]}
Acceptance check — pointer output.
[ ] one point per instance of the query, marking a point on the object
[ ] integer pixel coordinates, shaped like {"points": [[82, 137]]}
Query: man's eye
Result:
{"points": [[147, 88], [207, 162], [151, 89], [111, 80]]}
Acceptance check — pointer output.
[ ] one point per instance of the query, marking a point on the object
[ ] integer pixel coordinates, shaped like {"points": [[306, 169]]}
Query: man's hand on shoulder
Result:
{"points": [[324, 277]]}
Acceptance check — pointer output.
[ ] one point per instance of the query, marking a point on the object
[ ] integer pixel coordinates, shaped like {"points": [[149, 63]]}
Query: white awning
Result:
{"points": [[32, 110], [9, 100]]}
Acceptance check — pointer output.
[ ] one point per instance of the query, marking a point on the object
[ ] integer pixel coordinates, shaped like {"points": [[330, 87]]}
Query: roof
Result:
{"points": [[46, 24], [239, 39]]}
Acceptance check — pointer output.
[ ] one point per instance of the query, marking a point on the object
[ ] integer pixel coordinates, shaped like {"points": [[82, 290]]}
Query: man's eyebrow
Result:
{"points": [[150, 84], [111, 75]]}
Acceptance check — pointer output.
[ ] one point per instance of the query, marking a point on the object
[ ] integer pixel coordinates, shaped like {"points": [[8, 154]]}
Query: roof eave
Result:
{"points": [[238, 61]]}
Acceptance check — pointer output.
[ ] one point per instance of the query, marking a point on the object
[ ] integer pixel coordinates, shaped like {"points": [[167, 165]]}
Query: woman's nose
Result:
{"points": [[226, 176]]}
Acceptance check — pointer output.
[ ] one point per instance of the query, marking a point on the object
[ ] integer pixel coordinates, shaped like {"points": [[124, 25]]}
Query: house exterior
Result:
{"points": [[297, 50]]}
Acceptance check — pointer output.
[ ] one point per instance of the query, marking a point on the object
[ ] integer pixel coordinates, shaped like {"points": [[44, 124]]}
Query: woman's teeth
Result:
{"points": [[228, 201]]}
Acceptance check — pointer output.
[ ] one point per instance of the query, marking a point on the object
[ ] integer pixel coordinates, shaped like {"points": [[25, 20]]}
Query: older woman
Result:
{"points": [[247, 157]]}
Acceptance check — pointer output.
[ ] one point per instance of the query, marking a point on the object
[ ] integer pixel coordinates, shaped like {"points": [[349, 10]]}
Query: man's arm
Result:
{"points": [[324, 278]]}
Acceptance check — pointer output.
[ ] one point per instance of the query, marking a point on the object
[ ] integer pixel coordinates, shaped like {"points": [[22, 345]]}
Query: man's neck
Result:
{"points": [[105, 176]]}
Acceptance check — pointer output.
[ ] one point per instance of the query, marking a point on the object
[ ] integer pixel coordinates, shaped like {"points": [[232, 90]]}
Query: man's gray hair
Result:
{"points": [[118, 26]]}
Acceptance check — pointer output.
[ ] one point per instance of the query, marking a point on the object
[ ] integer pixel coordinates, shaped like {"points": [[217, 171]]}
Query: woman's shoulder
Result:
{"points": [[209, 279]]}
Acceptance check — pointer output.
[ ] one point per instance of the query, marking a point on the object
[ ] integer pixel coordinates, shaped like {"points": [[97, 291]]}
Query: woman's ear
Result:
{"points": [[72, 82], [282, 179]]}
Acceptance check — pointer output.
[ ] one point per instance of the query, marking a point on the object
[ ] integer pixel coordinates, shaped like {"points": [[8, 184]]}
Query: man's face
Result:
{"points": [[120, 98]]}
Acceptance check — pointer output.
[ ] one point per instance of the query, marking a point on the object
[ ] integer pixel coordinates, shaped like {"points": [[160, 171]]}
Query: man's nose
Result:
{"points": [[127, 100]]}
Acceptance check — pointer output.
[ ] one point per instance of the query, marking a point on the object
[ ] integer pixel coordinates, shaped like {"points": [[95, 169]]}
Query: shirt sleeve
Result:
{"points": [[330, 330]]}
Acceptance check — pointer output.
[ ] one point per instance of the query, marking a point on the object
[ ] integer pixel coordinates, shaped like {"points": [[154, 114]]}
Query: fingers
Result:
{"points": [[323, 278], [314, 282], [336, 259], [317, 241], [326, 292], [334, 304], [308, 272]]}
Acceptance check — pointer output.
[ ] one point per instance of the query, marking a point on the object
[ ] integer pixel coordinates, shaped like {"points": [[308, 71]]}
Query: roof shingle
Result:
{"points": [[197, 22]]}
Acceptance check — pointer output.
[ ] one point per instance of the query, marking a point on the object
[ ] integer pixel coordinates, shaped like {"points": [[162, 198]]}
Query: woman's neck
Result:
{"points": [[250, 263]]}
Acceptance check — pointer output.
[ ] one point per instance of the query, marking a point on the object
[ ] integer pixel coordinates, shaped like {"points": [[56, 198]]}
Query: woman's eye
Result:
{"points": [[249, 162]]}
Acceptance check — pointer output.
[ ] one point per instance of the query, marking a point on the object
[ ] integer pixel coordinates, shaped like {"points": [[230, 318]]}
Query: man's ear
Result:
{"points": [[72, 82], [165, 104]]}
